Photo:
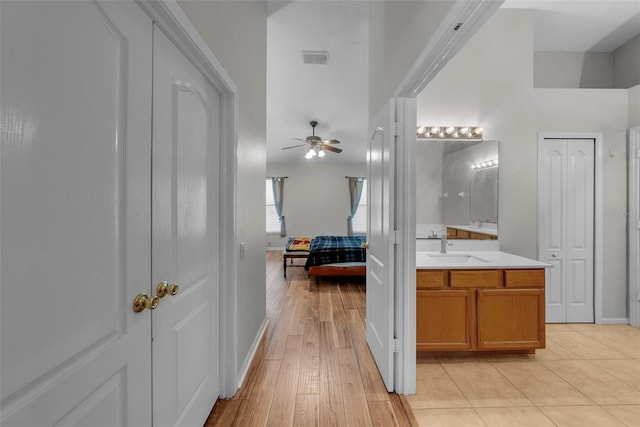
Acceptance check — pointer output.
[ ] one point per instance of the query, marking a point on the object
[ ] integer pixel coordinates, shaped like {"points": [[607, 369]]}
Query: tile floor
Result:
{"points": [[589, 375]]}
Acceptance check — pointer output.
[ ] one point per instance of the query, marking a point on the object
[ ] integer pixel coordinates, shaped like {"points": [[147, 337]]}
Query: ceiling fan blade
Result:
{"points": [[293, 146], [300, 139], [330, 148], [331, 141]]}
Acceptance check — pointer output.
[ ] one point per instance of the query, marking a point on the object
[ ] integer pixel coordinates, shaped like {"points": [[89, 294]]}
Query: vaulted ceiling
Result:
{"points": [[336, 94]]}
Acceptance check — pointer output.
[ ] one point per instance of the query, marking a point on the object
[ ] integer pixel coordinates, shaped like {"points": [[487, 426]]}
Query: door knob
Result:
{"points": [[553, 255], [364, 245], [142, 301], [164, 288]]}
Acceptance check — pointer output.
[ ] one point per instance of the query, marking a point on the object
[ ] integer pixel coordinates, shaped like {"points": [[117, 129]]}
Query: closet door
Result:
{"points": [[185, 251], [566, 221], [75, 213]]}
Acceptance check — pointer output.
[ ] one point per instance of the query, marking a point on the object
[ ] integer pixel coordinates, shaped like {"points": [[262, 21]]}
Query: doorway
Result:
{"points": [[566, 207]]}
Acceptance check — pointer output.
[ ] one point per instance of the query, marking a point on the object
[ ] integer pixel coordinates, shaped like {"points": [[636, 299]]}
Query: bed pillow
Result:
{"points": [[299, 244]]}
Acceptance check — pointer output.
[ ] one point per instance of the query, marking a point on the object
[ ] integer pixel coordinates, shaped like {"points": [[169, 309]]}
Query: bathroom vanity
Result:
{"points": [[470, 232], [479, 301]]}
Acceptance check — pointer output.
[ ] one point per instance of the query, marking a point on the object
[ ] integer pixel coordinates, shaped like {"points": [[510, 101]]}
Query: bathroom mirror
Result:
{"points": [[457, 187]]}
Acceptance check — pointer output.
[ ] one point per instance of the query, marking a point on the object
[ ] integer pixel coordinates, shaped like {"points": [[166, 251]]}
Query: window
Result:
{"points": [[360, 218], [273, 222]]}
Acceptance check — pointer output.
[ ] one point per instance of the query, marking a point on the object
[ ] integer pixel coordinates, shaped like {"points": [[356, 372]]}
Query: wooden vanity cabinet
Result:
{"points": [[457, 233], [480, 310]]}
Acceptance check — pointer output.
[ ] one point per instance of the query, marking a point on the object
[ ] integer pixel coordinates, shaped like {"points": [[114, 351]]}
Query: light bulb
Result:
{"points": [[321, 153]]}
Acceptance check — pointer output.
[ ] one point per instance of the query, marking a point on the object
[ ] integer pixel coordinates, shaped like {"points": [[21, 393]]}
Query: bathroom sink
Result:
{"points": [[457, 258]]}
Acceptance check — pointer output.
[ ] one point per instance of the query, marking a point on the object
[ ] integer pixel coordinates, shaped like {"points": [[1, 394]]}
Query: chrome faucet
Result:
{"points": [[444, 242]]}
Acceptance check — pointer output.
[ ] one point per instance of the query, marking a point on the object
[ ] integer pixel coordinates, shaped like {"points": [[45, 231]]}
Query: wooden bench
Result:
{"points": [[291, 255]]}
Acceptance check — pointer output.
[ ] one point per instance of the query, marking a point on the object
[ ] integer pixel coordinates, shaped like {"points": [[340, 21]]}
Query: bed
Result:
{"points": [[337, 256]]}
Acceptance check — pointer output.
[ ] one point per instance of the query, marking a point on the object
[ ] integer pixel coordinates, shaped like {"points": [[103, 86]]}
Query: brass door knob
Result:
{"points": [[164, 288], [364, 245], [142, 301]]}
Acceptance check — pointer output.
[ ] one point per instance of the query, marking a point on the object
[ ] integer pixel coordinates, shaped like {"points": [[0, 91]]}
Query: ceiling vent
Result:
{"points": [[315, 57]]}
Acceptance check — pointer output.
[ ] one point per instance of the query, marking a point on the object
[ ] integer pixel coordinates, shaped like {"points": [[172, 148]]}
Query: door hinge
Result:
{"points": [[396, 129], [395, 237], [396, 345]]}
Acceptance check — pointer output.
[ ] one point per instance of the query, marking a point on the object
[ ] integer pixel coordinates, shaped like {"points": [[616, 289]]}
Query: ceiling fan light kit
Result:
{"points": [[318, 146]]}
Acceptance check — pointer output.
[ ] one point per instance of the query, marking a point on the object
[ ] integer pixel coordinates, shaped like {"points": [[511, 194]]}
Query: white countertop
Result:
{"points": [[432, 260]]}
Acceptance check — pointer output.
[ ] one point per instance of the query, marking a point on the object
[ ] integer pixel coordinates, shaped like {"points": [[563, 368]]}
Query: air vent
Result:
{"points": [[315, 57]]}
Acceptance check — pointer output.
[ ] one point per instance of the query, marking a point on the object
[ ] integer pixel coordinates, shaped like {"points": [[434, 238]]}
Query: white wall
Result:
{"points": [[573, 70], [634, 106], [398, 33], [490, 83], [316, 198], [236, 33], [626, 62]]}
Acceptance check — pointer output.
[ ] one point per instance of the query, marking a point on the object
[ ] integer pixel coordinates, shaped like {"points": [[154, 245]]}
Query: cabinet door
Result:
{"points": [[511, 319], [445, 320]]}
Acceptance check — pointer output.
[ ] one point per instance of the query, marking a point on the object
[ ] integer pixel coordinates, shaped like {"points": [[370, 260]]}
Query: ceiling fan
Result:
{"points": [[317, 145]]}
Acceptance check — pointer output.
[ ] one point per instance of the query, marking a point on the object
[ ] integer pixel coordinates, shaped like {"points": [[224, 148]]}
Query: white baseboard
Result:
{"points": [[252, 353], [614, 321]]}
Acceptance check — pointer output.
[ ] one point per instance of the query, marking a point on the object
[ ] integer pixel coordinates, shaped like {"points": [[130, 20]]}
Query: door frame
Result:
{"points": [[598, 206], [441, 47], [170, 18], [634, 220]]}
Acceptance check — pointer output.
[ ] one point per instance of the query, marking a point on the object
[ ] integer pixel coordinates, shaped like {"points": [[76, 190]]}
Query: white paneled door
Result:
{"points": [[75, 226], [381, 248], [186, 114], [566, 227], [109, 187]]}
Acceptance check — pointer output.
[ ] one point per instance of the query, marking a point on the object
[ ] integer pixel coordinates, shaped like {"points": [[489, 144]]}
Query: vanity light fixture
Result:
{"points": [[467, 133], [485, 165]]}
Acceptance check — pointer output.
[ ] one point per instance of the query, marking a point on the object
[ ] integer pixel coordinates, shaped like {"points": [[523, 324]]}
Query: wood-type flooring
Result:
{"points": [[313, 366]]}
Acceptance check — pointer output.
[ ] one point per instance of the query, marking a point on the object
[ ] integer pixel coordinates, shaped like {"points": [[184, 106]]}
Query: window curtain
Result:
{"points": [[278, 193], [355, 191]]}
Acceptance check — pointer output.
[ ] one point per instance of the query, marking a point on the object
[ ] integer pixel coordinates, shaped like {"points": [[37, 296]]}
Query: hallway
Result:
{"points": [[313, 367]]}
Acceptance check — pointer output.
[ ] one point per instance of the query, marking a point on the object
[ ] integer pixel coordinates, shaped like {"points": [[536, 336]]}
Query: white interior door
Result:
{"points": [[186, 127], [566, 222], [75, 218], [381, 248]]}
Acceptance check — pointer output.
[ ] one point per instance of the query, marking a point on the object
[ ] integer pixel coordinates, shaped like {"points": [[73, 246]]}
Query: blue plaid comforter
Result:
{"points": [[335, 249]]}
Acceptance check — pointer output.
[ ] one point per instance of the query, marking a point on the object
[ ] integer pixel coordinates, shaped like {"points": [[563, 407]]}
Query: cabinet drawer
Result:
{"points": [[431, 279], [462, 234], [475, 278], [533, 278]]}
